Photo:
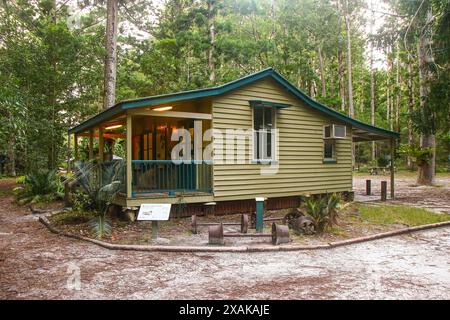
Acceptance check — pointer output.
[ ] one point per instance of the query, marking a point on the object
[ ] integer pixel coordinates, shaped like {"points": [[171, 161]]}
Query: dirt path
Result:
{"points": [[36, 264]]}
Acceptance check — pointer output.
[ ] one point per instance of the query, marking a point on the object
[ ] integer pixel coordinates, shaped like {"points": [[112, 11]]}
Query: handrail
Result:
{"points": [[174, 161], [168, 176]]}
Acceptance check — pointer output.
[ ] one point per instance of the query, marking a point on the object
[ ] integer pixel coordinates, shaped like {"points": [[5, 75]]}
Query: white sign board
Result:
{"points": [[154, 211]]}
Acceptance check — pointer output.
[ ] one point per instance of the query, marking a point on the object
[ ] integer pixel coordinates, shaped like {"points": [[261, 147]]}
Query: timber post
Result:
{"points": [[129, 155], [91, 145], [383, 190], [368, 187], [101, 145], [75, 147], [392, 168], [68, 153]]}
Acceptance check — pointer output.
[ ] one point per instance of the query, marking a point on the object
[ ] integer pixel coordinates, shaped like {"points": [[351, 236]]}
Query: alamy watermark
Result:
{"points": [[74, 276], [227, 147]]}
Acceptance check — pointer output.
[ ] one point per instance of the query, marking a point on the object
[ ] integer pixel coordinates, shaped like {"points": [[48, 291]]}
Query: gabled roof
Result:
{"points": [[214, 91]]}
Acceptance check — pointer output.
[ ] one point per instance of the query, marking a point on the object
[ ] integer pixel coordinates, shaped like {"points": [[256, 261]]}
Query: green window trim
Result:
{"points": [[261, 103], [329, 161]]}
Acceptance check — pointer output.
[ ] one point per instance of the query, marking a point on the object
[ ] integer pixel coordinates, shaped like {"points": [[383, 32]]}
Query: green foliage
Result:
{"points": [[323, 210], [420, 155], [99, 185], [382, 161], [20, 180], [41, 186], [51, 69], [100, 226]]}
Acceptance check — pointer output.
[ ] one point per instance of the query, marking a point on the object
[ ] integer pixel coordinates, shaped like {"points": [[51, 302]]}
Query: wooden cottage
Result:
{"points": [[311, 152]]}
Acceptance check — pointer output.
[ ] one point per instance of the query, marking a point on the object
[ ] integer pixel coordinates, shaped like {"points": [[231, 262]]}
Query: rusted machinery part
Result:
{"points": [[215, 234], [269, 219], [243, 224], [194, 224], [279, 235]]}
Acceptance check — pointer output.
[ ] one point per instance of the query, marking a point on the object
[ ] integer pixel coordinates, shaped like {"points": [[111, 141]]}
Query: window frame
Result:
{"points": [[333, 151], [272, 158], [332, 131]]}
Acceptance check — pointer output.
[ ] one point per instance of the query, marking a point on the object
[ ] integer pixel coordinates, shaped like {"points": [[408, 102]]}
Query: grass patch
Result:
{"points": [[385, 215], [72, 217]]}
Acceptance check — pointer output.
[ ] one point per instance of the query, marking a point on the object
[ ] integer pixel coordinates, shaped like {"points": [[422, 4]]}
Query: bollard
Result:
{"points": [[259, 214], [368, 187], [383, 190]]}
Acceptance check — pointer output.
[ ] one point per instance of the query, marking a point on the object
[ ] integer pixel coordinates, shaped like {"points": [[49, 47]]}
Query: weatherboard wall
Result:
{"points": [[301, 168]]}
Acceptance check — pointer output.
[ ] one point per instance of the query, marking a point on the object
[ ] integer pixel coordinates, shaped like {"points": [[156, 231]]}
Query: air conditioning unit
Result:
{"points": [[334, 131]]}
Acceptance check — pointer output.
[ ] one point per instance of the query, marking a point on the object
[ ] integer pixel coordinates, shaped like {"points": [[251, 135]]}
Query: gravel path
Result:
{"points": [[35, 264]]}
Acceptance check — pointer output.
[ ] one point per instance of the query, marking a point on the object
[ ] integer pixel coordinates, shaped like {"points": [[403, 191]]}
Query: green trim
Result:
{"points": [[97, 119], [261, 103], [208, 92], [329, 161]]}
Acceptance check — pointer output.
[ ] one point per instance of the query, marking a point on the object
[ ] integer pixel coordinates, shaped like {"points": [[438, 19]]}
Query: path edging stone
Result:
{"points": [[262, 248]]}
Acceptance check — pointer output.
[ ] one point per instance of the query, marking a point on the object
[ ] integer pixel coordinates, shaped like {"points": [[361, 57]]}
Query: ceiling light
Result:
{"points": [[114, 127], [163, 108]]}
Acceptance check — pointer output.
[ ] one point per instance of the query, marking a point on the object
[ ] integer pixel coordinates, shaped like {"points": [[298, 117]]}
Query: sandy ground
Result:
{"points": [[35, 264], [435, 198]]}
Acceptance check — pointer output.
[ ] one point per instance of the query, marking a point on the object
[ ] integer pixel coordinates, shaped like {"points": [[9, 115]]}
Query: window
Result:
{"points": [[329, 150], [263, 138], [339, 131]]}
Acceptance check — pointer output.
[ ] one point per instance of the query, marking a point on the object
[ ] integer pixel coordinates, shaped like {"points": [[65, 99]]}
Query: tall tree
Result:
{"points": [[351, 110], [212, 39], [112, 22]]}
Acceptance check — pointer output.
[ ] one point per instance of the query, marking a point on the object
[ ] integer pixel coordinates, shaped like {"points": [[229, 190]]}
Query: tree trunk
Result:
{"points": [[341, 63], [372, 98], [322, 72], [351, 111], [112, 22], [397, 88], [212, 36], [331, 77], [341, 81], [425, 175], [410, 111], [388, 91]]}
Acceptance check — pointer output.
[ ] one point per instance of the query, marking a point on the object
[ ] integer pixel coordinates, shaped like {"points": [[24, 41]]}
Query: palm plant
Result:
{"points": [[315, 208], [100, 183], [323, 211], [39, 186]]}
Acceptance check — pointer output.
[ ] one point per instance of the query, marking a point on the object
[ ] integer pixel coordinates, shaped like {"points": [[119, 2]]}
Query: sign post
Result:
{"points": [[155, 229], [154, 212], [259, 214]]}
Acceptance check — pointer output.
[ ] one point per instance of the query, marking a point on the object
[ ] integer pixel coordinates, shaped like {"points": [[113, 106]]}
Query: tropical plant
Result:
{"points": [[323, 211], [20, 180], [40, 186], [99, 184]]}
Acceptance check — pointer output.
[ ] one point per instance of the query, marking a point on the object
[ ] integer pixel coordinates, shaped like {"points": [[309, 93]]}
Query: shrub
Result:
{"points": [[41, 186], [99, 185], [20, 180], [323, 211], [382, 161]]}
